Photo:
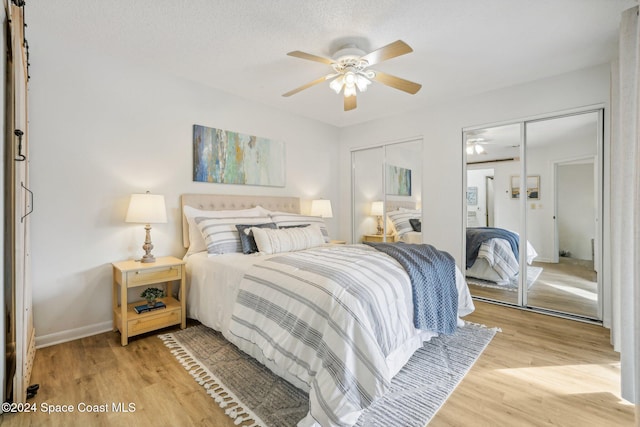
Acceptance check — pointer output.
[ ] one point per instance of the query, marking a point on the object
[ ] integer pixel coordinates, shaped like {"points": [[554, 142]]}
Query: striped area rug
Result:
{"points": [[253, 396]]}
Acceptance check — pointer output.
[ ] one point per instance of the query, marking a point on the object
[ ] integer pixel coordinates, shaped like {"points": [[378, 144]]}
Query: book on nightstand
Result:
{"points": [[144, 307]]}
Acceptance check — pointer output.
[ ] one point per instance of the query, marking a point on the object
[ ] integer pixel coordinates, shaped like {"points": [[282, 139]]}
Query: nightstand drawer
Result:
{"points": [[154, 321], [156, 275], [379, 238]]}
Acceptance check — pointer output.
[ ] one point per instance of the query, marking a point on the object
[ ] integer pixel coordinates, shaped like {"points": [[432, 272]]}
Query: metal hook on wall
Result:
{"points": [[21, 157]]}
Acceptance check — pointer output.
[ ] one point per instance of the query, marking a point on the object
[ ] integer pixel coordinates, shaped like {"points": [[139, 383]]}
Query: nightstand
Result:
{"points": [[132, 274], [378, 238]]}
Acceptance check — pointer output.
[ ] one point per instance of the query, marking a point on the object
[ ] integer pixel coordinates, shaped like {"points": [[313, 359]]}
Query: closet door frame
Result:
{"points": [[603, 219], [18, 204]]}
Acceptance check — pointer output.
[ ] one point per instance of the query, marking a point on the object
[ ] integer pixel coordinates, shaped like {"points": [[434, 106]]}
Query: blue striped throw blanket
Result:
{"points": [[433, 279]]}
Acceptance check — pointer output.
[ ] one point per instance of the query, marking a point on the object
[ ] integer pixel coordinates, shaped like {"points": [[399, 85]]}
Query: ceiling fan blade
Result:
{"points": [[397, 82], [311, 57], [389, 51], [350, 103], [308, 85]]}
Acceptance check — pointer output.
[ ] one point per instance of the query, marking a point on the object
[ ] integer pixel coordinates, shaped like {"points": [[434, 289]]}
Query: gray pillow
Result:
{"points": [[416, 224], [246, 239]]}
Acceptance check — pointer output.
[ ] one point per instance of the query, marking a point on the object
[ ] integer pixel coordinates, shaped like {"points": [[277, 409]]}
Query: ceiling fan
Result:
{"points": [[476, 144], [351, 71]]}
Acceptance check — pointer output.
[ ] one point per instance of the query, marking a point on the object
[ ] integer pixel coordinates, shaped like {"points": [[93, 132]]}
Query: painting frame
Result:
{"points": [[229, 157], [533, 187], [398, 181], [472, 196]]}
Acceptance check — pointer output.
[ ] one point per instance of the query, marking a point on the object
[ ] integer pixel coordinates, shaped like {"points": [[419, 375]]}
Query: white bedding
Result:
{"points": [[213, 288], [413, 237], [497, 263]]}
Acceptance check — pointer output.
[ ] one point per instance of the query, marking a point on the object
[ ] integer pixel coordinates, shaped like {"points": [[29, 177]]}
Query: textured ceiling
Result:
{"points": [[461, 47]]}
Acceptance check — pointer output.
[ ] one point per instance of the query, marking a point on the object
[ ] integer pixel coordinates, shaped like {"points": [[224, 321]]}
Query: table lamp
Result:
{"points": [[377, 209], [321, 208], [147, 209]]}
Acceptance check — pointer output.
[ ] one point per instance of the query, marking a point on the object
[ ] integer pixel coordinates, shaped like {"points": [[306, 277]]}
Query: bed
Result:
{"points": [[493, 255], [405, 221], [334, 320]]}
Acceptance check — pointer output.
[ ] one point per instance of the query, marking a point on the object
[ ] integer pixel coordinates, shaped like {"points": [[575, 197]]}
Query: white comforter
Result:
{"points": [[313, 327], [499, 263]]}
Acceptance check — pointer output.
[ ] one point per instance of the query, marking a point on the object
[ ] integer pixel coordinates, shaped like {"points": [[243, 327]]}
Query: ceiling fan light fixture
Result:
{"points": [[475, 148], [350, 90], [349, 65], [362, 82], [336, 84]]}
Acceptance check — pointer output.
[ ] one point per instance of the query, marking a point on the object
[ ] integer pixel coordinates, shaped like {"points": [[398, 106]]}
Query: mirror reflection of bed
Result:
{"points": [[562, 248]]}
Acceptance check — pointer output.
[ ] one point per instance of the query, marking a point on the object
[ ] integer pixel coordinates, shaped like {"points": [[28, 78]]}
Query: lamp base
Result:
{"points": [[148, 256]]}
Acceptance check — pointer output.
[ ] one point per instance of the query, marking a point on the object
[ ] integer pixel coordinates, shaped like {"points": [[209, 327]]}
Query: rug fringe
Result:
{"points": [[495, 329], [213, 386]]}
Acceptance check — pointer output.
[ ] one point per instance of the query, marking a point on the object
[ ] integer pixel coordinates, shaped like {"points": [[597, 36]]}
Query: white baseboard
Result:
{"points": [[73, 334]]}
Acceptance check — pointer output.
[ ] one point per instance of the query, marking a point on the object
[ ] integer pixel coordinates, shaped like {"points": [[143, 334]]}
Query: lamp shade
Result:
{"points": [[322, 208], [146, 209], [377, 208]]}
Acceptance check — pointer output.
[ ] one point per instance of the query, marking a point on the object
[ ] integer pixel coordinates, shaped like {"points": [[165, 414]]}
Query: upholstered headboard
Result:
{"points": [[218, 202], [393, 205]]}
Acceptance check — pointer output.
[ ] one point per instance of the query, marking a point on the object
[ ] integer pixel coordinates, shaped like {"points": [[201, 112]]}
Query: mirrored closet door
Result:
{"points": [[534, 204], [385, 178], [493, 161]]}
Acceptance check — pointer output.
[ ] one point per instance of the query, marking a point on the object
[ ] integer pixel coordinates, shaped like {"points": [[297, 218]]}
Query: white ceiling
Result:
{"points": [[461, 47]]}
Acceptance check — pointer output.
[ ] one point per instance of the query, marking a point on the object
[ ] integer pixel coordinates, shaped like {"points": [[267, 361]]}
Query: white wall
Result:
{"points": [[478, 178], [576, 210], [540, 161], [101, 130], [441, 127]]}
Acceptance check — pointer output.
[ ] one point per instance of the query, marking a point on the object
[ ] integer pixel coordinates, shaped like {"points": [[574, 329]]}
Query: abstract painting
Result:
{"points": [[472, 196], [226, 157], [398, 181]]}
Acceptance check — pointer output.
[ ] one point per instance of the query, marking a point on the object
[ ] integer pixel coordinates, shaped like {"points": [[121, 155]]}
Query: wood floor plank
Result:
{"points": [[539, 371]]}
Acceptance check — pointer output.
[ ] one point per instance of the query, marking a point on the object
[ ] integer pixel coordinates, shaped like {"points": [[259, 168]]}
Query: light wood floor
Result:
{"points": [[539, 371], [567, 287]]}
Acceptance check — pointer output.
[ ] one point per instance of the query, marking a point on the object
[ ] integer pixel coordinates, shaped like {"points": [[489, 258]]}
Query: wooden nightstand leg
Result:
{"points": [[124, 333], [183, 299], [114, 303]]}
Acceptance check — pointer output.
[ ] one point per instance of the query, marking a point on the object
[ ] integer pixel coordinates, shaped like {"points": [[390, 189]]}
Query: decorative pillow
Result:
{"points": [[284, 219], [247, 241], [221, 235], [196, 241], [401, 219], [287, 239], [416, 224]]}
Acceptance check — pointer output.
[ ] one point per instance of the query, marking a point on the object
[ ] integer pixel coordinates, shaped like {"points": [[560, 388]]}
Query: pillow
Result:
{"points": [[409, 210], [416, 224], [221, 235], [284, 219], [247, 241], [401, 219], [196, 241], [287, 239]]}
